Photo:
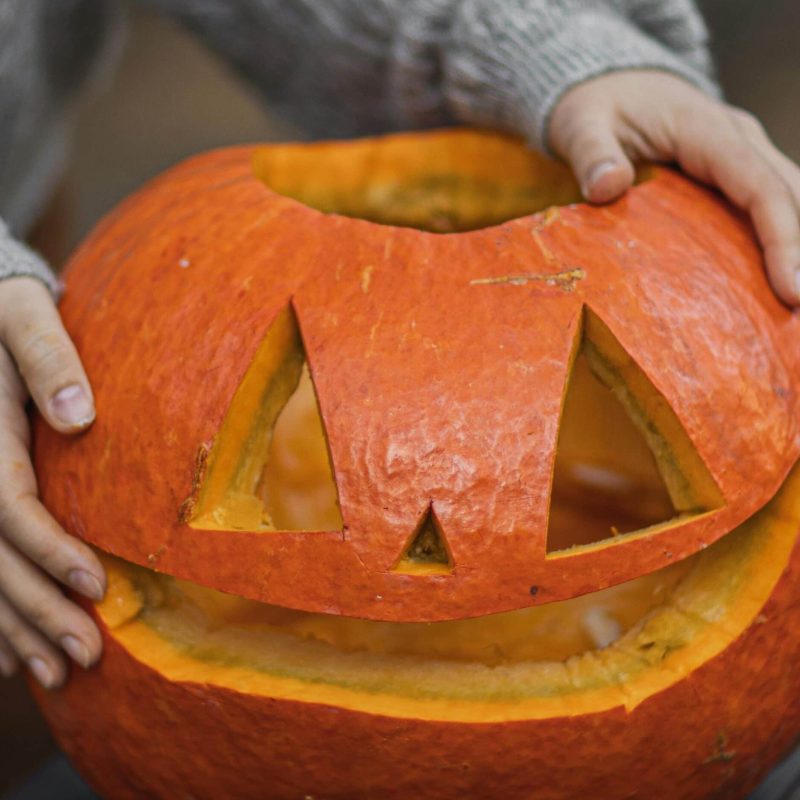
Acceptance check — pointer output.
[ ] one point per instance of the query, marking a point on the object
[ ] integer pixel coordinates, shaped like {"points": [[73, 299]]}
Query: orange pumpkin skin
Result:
{"points": [[714, 734], [420, 378], [426, 371]]}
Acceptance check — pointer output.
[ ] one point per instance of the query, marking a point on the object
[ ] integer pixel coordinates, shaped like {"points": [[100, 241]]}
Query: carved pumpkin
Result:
{"points": [[439, 494]]}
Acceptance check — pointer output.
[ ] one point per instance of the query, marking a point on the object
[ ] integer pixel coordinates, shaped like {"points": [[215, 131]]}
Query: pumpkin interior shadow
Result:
{"points": [[445, 187]]}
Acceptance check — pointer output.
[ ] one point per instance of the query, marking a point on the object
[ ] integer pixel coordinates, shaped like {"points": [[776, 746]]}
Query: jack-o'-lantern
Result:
{"points": [[416, 477]]}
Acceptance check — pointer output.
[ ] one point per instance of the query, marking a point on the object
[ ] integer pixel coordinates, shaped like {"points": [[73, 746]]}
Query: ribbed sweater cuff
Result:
{"points": [[18, 260], [517, 77]]}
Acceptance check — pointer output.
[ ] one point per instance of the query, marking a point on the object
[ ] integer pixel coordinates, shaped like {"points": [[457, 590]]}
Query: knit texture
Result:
{"points": [[340, 68], [18, 260]]}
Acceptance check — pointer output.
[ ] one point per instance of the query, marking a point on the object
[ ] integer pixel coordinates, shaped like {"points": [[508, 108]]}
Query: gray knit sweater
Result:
{"points": [[337, 67]]}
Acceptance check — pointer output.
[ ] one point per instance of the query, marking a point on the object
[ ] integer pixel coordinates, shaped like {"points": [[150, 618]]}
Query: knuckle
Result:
{"points": [[40, 614], [702, 114], [7, 519], [577, 128], [7, 498], [587, 144], [691, 118], [769, 190], [45, 553], [46, 611], [44, 353], [747, 120]]}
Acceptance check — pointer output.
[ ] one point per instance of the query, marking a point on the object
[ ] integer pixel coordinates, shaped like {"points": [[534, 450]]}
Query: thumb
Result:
{"points": [[32, 332], [588, 143]]}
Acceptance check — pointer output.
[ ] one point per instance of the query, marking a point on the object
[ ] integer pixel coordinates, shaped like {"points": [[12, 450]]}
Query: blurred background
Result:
{"points": [[170, 98]]}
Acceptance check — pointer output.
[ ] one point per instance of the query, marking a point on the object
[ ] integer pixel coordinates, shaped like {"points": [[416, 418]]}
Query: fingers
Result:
{"points": [[43, 609], [41, 658], [642, 114], [24, 521], [37, 622], [598, 161], [582, 133], [31, 330], [730, 161], [27, 526]]}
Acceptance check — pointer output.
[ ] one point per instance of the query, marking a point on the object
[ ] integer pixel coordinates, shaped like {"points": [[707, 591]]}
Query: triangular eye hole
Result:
{"points": [[296, 483], [270, 467], [623, 462], [426, 552]]}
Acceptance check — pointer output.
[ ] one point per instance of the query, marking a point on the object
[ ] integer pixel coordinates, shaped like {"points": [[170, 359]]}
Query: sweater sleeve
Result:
{"points": [[351, 67], [49, 52], [18, 260], [507, 62]]}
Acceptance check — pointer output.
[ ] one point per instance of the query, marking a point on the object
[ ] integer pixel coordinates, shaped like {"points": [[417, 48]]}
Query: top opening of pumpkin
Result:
{"points": [[454, 183]]}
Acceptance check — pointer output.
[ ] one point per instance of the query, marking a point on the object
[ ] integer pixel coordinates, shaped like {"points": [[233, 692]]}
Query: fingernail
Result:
{"points": [[597, 172], [797, 282], [72, 406], [42, 672], [76, 650], [85, 583], [7, 665]]}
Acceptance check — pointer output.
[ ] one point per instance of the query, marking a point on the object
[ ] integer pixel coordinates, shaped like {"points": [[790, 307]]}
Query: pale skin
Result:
{"points": [[601, 128]]}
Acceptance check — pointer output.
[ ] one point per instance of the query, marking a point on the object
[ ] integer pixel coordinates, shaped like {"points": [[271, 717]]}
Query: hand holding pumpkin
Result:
{"points": [[603, 125], [36, 620]]}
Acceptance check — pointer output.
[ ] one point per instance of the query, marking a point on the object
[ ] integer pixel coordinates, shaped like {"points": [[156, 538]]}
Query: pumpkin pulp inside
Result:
{"points": [[623, 467]]}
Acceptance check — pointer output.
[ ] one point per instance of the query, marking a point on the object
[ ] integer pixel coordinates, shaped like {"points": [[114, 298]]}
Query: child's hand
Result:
{"points": [[604, 124], [37, 622]]}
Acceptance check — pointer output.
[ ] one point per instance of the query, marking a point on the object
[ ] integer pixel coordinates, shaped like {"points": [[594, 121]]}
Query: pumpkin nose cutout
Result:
{"points": [[623, 463], [269, 468], [427, 552]]}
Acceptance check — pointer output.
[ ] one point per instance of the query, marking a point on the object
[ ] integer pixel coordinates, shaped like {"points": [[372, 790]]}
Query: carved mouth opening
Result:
{"points": [[614, 647]]}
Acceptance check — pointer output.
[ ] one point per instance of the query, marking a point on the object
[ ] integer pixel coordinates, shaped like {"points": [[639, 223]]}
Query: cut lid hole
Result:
{"points": [[426, 552], [623, 462], [443, 182]]}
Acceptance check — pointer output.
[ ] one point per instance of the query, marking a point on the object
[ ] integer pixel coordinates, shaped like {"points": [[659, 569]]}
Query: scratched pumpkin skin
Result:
{"points": [[398, 632]]}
